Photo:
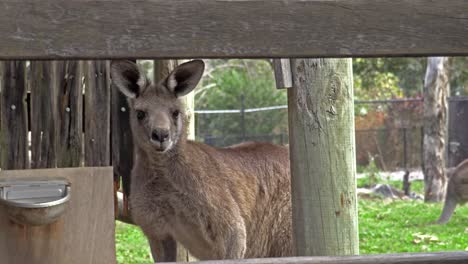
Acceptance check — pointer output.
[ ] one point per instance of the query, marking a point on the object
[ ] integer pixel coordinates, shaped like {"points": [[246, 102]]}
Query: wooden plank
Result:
{"points": [[43, 115], [231, 28], [282, 69], [14, 116], [68, 78], [122, 145], [85, 233], [321, 137], [97, 112], [402, 258]]}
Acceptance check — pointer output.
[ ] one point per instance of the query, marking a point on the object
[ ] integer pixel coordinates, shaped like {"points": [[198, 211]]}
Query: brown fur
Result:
{"points": [[220, 203], [457, 190]]}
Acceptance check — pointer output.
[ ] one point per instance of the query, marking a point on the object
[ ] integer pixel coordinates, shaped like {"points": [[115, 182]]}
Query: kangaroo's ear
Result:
{"points": [[185, 77], [128, 78]]}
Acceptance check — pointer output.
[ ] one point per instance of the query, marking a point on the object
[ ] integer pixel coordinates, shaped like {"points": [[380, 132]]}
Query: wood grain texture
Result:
{"points": [[97, 113], [282, 69], [85, 233], [321, 136], [14, 116], [231, 28], [122, 141], [68, 80], [403, 258], [43, 115]]}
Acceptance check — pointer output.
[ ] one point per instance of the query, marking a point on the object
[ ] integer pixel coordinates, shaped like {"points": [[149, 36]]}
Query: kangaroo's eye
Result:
{"points": [[175, 114], [140, 114]]}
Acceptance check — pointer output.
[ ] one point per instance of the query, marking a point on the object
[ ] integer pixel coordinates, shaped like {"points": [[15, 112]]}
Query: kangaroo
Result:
{"points": [[457, 190], [219, 203]]}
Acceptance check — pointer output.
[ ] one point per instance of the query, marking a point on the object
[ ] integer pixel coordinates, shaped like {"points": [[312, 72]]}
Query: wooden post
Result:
{"points": [[43, 115], [322, 153], [69, 85], [97, 113], [14, 116], [283, 76]]}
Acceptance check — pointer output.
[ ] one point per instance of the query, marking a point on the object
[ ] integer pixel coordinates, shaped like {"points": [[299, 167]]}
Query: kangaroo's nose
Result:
{"points": [[160, 135]]}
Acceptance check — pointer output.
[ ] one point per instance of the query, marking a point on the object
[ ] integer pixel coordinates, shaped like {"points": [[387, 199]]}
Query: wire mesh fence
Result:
{"points": [[227, 127], [389, 132]]}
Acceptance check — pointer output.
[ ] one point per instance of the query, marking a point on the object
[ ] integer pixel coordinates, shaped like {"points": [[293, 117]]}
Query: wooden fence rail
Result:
{"points": [[250, 28], [403, 258]]}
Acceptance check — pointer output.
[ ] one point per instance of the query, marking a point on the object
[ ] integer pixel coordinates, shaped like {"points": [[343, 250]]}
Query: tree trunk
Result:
{"points": [[436, 90], [322, 153]]}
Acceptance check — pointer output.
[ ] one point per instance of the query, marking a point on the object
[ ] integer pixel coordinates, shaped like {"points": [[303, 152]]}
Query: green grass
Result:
{"points": [[404, 226], [384, 227], [131, 245]]}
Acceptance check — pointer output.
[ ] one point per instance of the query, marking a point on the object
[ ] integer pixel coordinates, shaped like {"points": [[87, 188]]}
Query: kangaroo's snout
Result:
{"points": [[160, 135]]}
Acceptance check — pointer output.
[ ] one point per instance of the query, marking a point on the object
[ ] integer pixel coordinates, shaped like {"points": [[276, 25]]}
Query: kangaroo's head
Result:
{"points": [[157, 115]]}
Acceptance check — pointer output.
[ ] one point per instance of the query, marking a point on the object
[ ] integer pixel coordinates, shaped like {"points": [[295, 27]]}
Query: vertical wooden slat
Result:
{"points": [[97, 107], [43, 115], [122, 141], [14, 116], [282, 69], [122, 148], [68, 80]]}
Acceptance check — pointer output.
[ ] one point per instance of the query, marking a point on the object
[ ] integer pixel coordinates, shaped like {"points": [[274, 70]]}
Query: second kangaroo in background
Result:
{"points": [[457, 190], [220, 203]]}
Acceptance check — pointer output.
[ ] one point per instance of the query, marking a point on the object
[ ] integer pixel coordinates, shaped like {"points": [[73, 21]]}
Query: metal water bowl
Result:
{"points": [[34, 202]]}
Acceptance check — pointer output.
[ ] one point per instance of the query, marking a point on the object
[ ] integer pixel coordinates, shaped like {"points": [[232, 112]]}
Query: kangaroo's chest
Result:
{"points": [[157, 204]]}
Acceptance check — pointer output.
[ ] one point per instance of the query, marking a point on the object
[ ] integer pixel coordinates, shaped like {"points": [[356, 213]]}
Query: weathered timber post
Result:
{"points": [[69, 86], [322, 153], [43, 115], [97, 112], [13, 116]]}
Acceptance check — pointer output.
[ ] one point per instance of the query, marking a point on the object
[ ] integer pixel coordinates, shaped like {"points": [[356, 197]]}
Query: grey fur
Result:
{"points": [[220, 203]]}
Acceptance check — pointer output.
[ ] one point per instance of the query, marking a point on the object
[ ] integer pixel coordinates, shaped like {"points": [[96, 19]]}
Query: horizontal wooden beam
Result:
{"points": [[404, 258], [105, 29]]}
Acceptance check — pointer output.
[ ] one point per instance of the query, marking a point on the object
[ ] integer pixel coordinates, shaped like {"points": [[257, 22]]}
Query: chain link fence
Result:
{"points": [[389, 132]]}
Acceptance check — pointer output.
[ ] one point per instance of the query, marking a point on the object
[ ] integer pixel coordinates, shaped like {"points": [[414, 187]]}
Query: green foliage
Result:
{"points": [[131, 245], [385, 78], [459, 76], [405, 226], [147, 67], [408, 72], [252, 78], [227, 81]]}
